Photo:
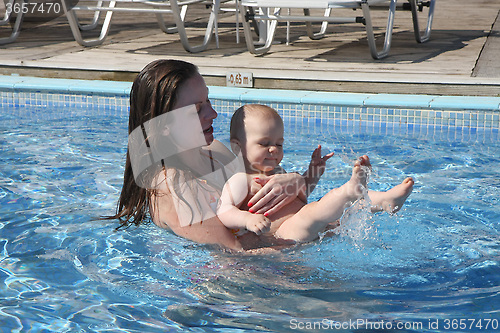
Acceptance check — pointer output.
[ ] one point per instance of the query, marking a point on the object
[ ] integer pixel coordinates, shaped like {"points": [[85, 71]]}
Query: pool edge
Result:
{"points": [[250, 95]]}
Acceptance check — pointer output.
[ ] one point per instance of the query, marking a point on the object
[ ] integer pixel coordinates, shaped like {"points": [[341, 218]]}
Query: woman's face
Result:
{"points": [[195, 91]]}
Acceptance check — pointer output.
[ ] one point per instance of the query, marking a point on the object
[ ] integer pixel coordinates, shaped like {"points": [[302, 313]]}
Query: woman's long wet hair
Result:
{"points": [[154, 92]]}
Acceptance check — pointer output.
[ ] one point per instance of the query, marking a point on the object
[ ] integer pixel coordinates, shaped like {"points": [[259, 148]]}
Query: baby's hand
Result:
{"points": [[318, 164], [258, 224]]}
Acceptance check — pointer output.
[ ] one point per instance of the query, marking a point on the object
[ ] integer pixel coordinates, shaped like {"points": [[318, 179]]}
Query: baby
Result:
{"points": [[257, 133]]}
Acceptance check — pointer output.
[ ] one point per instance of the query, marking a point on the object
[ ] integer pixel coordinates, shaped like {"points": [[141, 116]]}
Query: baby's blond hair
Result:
{"points": [[237, 128]]}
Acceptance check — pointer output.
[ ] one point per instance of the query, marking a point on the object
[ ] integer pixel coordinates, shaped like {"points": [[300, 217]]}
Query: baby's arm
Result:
{"points": [[233, 194], [316, 169]]}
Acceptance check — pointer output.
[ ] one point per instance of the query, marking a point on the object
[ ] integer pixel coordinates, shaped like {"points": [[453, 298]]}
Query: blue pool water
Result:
{"points": [[435, 266]]}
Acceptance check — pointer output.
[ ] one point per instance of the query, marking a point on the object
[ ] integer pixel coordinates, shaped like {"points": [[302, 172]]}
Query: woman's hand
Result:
{"points": [[277, 191]]}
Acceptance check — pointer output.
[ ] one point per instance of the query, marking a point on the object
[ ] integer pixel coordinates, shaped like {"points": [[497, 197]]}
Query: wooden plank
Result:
{"points": [[334, 63]]}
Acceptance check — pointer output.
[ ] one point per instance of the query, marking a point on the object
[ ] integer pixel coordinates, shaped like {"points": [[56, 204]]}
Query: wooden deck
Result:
{"points": [[462, 57]]}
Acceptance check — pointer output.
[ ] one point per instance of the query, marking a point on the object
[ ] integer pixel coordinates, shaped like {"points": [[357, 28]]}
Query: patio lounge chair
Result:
{"points": [[328, 5], [176, 8], [27, 12], [38, 11]]}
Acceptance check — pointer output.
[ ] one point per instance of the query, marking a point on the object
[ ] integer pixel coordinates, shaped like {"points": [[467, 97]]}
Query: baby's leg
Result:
{"points": [[314, 217], [392, 200]]}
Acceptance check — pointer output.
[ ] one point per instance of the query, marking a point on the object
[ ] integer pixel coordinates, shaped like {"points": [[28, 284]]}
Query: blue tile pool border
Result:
{"points": [[112, 97]]}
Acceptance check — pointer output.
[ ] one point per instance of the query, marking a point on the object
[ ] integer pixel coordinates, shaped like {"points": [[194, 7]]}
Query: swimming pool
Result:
{"points": [[433, 265]]}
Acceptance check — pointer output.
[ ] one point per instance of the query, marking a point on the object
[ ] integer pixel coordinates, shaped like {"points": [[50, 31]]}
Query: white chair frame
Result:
{"points": [[328, 5], [176, 8], [16, 28]]}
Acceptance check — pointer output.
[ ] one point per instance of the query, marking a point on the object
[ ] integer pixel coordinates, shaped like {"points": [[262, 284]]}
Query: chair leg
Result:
{"points": [[422, 38], [369, 30], [15, 29], [75, 26], [312, 35], [288, 26], [6, 17], [181, 29], [216, 4], [237, 14], [163, 25], [255, 24], [95, 20], [248, 32]]}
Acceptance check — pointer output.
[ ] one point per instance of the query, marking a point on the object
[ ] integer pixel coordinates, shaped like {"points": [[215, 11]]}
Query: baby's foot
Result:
{"points": [[392, 200], [357, 184]]}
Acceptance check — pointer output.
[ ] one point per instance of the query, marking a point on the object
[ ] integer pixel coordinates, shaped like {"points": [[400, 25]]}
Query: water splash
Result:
{"points": [[356, 224], [348, 157]]}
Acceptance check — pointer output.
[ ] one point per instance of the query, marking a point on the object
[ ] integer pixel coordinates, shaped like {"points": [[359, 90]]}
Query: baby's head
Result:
{"points": [[257, 131]]}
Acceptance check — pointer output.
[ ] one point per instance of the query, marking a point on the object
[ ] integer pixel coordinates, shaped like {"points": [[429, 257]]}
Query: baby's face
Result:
{"points": [[263, 149]]}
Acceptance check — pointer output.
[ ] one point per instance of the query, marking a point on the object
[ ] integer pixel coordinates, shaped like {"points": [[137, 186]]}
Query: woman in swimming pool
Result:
{"points": [[179, 188]]}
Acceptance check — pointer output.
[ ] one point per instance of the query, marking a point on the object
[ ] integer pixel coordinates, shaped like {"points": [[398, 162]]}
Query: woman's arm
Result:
{"points": [[199, 225], [209, 231]]}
